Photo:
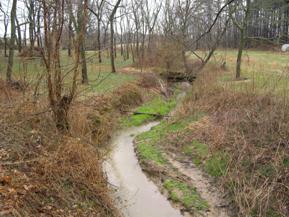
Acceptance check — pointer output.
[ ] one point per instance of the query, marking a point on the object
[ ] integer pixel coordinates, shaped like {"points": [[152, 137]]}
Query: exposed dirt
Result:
{"points": [[217, 203]]}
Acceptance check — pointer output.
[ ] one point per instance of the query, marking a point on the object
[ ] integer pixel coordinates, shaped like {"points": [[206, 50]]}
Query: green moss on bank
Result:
{"points": [[158, 105], [185, 194]]}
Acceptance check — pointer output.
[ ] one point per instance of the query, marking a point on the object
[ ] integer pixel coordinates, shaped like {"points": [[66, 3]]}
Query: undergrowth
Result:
{"points": [[43, 172], [246, 136]]}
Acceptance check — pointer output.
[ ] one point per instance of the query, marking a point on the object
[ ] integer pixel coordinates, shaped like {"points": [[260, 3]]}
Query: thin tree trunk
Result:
{"points": [[12, 42], [240, 54], [31, 26], [98, 41], [83, 64], [24, 37], [70, 36], [19, 36], [5, 41], [112, 56], [38, 29], [111, 19]]}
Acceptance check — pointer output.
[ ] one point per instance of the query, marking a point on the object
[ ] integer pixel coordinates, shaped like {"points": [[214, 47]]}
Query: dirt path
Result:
{"points": [[218, 206]]}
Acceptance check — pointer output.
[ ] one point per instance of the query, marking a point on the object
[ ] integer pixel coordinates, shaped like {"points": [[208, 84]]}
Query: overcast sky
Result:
{"points": [[6, 5]]}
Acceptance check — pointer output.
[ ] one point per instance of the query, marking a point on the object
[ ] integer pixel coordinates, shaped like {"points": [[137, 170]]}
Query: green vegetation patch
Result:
{"points": [[101, 80], [149, 152], [108, 82], [267, 170], [286, 162], [270, 213], [158, 105], [216, 164], [147, 142], [185, 194], [197, 150]]}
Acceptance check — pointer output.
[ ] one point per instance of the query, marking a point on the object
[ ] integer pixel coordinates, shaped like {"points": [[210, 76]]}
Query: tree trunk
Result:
{"points": [[98, 41], [113, 70], [24, 36], [83, 65], [60, 112], [39, 43], [19, 36], [111, 20], [240, 53], [12, 42], [5, 41], [31, 26], [70, 35]]}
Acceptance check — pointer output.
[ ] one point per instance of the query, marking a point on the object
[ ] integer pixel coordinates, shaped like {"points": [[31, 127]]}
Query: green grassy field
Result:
{"points": [[265, 71], [101, 79]]}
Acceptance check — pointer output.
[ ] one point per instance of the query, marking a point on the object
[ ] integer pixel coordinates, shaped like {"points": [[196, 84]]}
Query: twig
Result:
{"points": [[18, 162]]}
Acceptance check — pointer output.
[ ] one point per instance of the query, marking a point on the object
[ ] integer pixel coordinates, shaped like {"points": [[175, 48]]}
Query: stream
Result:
{"points": [[135, 194], [139, 196]]}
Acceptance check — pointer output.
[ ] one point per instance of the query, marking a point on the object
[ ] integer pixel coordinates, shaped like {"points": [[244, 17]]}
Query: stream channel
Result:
{"points": [[139, 196]]}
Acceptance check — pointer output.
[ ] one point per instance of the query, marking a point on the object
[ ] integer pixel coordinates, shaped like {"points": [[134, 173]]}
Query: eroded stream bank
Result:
{"points": [[139, 196]]}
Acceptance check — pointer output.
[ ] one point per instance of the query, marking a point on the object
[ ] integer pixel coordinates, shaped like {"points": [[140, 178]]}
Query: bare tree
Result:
{"points": [[19, 38], [99, 5], [111, 21], [30, 4], [242, 26], [5, 23], [78, 22], [54, 18], [12, 42], [150, 18]]}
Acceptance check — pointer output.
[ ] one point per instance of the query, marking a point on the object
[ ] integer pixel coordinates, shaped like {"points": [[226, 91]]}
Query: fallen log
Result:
{"points": [[152, 114], [178, 77], [146, 113]]}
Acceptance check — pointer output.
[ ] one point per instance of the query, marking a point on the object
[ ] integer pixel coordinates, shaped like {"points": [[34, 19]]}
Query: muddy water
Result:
{"points": [[138, 195]]}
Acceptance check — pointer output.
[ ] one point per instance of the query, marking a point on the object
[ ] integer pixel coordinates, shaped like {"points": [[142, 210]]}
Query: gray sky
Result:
{"points": [[6, 5]]}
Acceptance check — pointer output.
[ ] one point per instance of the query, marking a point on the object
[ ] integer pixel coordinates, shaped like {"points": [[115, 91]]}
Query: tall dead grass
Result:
{"points": [[44, 173], [95, 119], [252, 128]]}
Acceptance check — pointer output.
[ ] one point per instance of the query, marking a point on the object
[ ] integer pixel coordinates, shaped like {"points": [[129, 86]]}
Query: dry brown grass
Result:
{"points": [[253, 130], [50, 174], [126, 97], [95, 119], [44, 173], [26, 53]]}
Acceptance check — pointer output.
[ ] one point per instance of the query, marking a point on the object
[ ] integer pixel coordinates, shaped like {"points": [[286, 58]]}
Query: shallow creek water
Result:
{"points": [[139, 196]]}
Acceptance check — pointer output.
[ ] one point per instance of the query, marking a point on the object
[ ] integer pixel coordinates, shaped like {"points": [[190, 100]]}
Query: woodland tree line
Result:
{"points": [[139, 29]]}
